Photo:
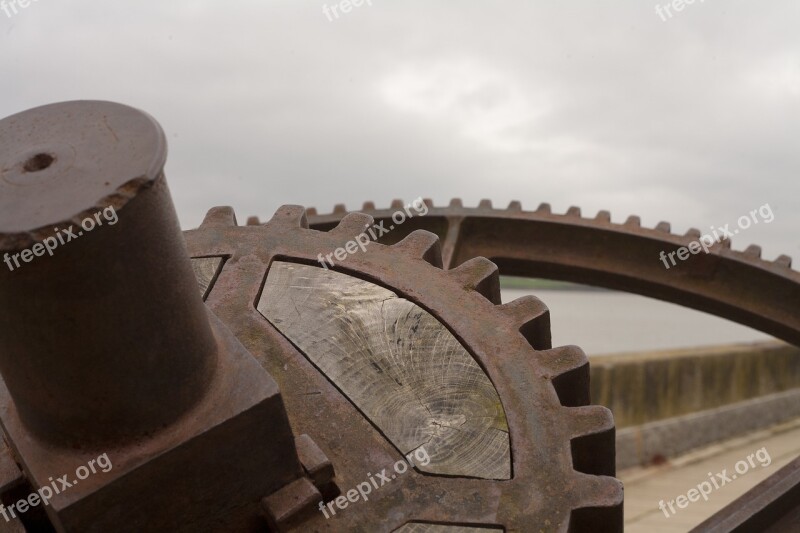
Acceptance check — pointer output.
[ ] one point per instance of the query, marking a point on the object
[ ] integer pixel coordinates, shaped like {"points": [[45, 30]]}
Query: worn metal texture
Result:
{"points": [[737, 285], [108, 348], [83, 318], [562, 448]]}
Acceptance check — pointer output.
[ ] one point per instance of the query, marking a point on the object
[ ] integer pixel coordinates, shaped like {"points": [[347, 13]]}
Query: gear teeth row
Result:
{"points": [[514, 205], [568, 369], [592, 444], [291, 216], [633, 222], [424, 245], [754, 251], [219, 217], [479, 275], [353, 224], [533, 319]]}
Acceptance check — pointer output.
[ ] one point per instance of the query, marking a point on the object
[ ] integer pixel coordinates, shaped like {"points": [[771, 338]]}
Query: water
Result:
{"points": [[603, 322]]}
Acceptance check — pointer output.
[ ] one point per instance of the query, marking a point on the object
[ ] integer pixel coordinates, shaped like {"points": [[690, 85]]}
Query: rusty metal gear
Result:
{"points": [[737, 285], [562, 449]]}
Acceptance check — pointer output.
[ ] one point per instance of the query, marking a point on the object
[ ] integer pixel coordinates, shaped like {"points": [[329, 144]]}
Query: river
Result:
{"points": [[603, 322]]}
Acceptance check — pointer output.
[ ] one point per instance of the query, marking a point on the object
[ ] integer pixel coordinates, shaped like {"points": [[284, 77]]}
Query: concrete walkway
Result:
{"points": [[645, 487]]}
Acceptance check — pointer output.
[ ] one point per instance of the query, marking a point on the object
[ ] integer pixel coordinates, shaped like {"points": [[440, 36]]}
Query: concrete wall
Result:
{"points": [[645, 387], [658, 441]]}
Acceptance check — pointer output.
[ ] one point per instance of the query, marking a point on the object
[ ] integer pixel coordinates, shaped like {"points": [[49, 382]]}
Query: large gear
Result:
{"points": [[562, 449], [732, 284], [735, 284]]}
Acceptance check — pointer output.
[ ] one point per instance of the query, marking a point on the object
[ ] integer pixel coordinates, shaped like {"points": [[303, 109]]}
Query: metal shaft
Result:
{"points": [[103, 335]]}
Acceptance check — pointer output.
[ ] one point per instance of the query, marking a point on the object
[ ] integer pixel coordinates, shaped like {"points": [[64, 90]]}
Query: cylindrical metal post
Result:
{"points": [[103, 334]]}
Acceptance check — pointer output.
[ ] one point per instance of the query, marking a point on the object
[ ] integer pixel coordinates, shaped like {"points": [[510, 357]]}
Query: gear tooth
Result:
{"points": [[664, 227], [485, 204], [428, 202], [369, 206], [339, 208], [544, 207], [753, 251], [633, 221], [592, 442], [290, 215], [311, 211], [603, 216], [424, 245], [480, 275], [600, 502], [219, 217], [532, 318], [590, 419], [573, 211], [397, 204], [515, 205], [456, 202], [569, 372], [784, 261], [253, 221], [725, 243], [693, 233], [353, 224]]}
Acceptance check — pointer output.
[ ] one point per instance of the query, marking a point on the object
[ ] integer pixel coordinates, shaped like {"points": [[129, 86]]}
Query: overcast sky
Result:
{"points": [[694, 119]]}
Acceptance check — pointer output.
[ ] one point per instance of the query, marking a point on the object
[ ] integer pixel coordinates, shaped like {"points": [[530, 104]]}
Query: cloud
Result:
{"points": [[692, 120], [477, 101]]}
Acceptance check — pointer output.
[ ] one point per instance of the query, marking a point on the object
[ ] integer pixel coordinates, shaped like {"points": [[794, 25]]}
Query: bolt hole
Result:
{"points": [[38, 162]]}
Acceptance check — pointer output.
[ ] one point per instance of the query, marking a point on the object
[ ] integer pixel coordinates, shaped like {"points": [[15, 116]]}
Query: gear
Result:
{"points": [[562, 449], [737, 285]]}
